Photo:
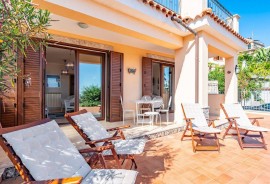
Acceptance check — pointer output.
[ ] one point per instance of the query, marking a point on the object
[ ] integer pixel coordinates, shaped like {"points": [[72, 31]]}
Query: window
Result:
{"points": [[53, 81]]}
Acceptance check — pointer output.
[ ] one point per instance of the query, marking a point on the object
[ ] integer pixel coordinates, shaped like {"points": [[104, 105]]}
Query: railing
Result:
{"points": [[255, 100], [170, 4], [219, 10]]}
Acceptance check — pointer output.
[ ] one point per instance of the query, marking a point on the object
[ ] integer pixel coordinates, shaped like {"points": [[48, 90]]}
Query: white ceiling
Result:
{"points": [[68, 25]]}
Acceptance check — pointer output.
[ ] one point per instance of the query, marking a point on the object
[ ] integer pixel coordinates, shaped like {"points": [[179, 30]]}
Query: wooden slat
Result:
{"points": [[116, 86], [30, 104], [147, 76]]}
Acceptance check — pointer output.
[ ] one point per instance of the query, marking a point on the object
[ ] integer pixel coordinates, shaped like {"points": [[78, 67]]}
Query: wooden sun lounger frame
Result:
{"points": [[233, 125], [24, 172], [116, 136], [193, 135]]}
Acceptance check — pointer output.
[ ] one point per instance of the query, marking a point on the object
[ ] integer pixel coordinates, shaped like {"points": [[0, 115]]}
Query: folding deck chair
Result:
{"points": [[238, 120], [41, 152], [96, 135], [198, 127]]}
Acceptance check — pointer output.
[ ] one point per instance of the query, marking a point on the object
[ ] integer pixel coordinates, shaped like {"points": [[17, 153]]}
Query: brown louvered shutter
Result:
{"points": [[116, 86], [30, 99], [8, 108], [147, 76]]}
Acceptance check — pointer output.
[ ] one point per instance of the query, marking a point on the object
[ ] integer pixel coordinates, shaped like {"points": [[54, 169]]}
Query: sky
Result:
{"points": [[90, 75], [254, 17]]}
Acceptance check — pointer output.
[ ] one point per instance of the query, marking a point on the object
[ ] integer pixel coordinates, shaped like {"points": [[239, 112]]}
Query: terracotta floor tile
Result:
{"points": [[202, 179], [224, 178]]}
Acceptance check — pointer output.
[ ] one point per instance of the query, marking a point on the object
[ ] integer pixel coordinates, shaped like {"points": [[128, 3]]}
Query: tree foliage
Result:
{"points": [[90, 96], [218, 74], [254, 70], [20, 23]]}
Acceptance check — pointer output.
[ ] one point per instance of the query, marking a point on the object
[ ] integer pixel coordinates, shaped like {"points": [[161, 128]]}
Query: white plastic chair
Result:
{"points": [[69, 105], [146, 107], [166, 110], [127, 111]]}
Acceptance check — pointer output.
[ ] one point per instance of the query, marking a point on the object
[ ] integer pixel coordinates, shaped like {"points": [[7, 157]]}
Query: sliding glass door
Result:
{"points": [[167, 84], [91, 84]]}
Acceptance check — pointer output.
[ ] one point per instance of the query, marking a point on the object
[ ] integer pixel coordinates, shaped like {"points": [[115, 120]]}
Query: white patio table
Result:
{"points": [[141, 102]]}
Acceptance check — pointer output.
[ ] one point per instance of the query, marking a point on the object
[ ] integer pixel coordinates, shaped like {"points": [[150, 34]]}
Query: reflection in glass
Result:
{"points": [[90, 84]]}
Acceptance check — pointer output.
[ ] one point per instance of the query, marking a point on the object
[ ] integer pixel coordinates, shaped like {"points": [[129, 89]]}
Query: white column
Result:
{"points": [[203, 72], [184, 76], [235, 22], [231, 86]]}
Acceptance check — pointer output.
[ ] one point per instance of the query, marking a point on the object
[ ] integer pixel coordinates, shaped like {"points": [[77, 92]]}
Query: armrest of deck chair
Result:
{"points": [[104, 140], [73, 180], [118, 128], [97, 149], [256, 118], [228, 118]]}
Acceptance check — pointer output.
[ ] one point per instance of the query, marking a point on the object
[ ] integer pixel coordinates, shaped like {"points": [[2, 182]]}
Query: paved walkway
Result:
{"points": [[168, 160]]}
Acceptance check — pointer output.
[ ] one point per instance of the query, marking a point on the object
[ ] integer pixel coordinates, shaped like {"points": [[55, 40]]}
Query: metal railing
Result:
{"points": [[219, 10], [170, 4], [255, 100]]}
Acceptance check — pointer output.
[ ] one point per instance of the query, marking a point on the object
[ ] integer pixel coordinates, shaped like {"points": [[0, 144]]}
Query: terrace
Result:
{"points": [[168, 160]]}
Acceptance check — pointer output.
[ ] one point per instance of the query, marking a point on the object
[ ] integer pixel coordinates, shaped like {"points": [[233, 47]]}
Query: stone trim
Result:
{"points": [[85, 43], [153, 56]]}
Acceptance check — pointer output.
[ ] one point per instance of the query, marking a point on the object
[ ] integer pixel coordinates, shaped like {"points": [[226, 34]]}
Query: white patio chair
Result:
{"points": [[41, 152], [145, 107], [69, 105], [96, 135], [127, 111], [166, 110], [238, 120], [196, 123]]}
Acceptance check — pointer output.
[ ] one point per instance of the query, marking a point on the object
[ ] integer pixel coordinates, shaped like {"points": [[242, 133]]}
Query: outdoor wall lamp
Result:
{"points": [[236, 69], [132, 70]]}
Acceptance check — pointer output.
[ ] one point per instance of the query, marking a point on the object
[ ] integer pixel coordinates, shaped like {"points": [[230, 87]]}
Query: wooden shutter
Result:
{"points": [[8, 108], [116, 86], [30, 99], [147, 76]]}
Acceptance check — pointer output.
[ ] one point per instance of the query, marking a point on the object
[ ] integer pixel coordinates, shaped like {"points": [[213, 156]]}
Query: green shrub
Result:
{"points": [[90, 96]]}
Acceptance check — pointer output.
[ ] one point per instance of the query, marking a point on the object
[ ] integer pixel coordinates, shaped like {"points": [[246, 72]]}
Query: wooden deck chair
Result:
{"points": [[198, 127], [95, 134], [40, 151], [238, 120]]}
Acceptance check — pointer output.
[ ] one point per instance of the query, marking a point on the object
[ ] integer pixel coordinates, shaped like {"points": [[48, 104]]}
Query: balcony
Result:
{"points": [[170, 4], [219, 10]]}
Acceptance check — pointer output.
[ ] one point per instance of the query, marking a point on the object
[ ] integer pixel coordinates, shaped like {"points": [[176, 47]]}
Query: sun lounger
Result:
{"points": [[96, 135], [198, 127], [238, 120], [40, 151]]}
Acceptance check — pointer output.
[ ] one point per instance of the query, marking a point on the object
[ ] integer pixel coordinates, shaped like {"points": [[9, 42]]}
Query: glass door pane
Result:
{"points": [[90, 84], [167, 87]]}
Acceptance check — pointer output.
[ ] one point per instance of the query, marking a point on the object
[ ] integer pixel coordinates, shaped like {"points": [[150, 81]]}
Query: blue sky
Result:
{"points": [[90, 74], [255, 17]]}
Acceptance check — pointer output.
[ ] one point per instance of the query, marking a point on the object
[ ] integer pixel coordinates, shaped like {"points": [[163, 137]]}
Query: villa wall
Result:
{"points": [[132, 86]]}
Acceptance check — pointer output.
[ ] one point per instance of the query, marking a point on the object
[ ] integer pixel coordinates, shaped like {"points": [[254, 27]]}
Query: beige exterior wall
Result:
{"points": [[214, 103]]}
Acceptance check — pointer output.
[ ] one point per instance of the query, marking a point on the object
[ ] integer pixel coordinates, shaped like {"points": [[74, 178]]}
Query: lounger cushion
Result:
{"points": [[127, 147], [254, 128], [47, 153], [207, 129], [236, 110], [110, 176], [91, 127], [195, 111]]}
